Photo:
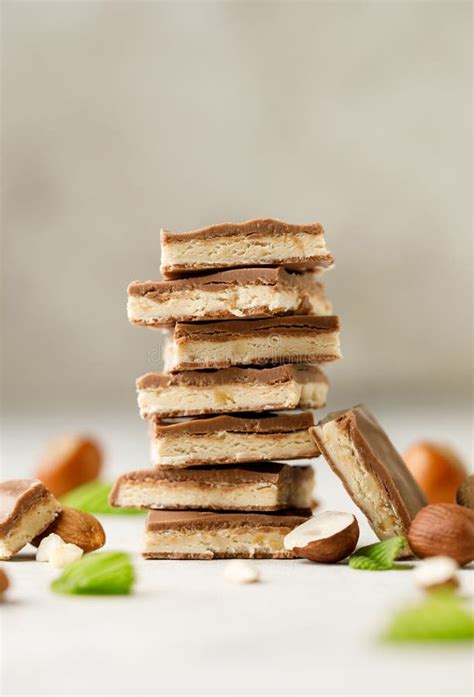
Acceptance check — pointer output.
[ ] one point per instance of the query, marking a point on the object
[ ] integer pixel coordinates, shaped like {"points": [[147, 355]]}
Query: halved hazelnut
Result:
{"points": [[436, 572], [328, 537]]}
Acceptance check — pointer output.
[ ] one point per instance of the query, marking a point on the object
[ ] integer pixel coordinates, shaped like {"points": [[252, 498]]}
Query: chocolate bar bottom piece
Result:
{"points": [[255, 487], [207, 535], [27, 508]]}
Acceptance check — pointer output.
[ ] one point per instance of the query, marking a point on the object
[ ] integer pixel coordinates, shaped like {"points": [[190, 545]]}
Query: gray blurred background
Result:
{"points": [[122, 117]]}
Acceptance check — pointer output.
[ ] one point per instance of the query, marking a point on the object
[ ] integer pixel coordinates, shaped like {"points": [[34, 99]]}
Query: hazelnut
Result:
{"points": [[77, 527], [465, 495], [435, 573], [65, 554], [437, 469], [4, 582], [69, 462], [443, 529], [241, 571], [47, 545], [328, 537]]}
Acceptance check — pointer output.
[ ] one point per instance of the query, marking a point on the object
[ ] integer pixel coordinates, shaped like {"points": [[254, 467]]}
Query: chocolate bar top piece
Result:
{"points": [[218, 474], [266, 423], [264, 275], [381, 459], [16, 496], [245, 376], [205, 520], [256, 227], [299, 324]]}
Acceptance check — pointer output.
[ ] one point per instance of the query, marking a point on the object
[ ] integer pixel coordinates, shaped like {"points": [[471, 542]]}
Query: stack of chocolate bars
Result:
{"points": [[247, 323]]}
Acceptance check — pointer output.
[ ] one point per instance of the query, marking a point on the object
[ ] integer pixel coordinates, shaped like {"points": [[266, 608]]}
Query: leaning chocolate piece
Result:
{"points": [[26, 509], [231, 390], [231, 439], [259, 242], [373, 473], [208, 535], [254, 487], [257, 292], [298, 339]]}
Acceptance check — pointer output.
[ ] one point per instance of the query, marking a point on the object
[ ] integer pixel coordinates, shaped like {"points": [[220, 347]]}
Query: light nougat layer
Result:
{"points": [[196, 353], [297, 249], [253, 301], [242, 543], [257, 487], [223, 447], [189, 400], [253, 243]]}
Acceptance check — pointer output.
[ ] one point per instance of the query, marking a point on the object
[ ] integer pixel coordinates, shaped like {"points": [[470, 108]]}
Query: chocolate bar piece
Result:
{"points": [[373, 473], [298, 339], [254, 243], [208, 535], [230, 439], [231, 390], [257, 292], [253, 487], [27, 508]]}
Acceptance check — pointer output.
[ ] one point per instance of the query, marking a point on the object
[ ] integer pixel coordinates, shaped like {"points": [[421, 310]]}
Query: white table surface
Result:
{"points": [[305, 629]]}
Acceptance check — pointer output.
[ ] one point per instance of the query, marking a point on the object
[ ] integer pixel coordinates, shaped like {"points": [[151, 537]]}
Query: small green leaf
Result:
{"points": [[379, 556], [105, 573], [440, 617], [93, 497]]}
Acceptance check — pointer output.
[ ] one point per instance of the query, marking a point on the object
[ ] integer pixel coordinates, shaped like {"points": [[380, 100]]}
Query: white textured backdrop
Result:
{"points": [[119, 118]]}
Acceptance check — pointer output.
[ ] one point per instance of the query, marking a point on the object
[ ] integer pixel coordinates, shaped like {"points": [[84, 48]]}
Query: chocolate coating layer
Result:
{"points": [[229, 474], [265, 275], [242, 423], [246, 376], [207, 520], [216, 331], [255, 227]]}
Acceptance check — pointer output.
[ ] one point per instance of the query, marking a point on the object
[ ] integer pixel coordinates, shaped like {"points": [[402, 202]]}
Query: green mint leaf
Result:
{"points": [[379, 556], [93, 497], [440, 617], [103, 573]]}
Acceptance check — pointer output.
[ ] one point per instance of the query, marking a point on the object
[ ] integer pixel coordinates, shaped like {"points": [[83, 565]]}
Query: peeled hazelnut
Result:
{"points": [[465, 495], [241, 571], [65, 554], [443, 529], [69, 462], [328, 537], [47, 545], [435, 573], [76, 527], [4, 582]]}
